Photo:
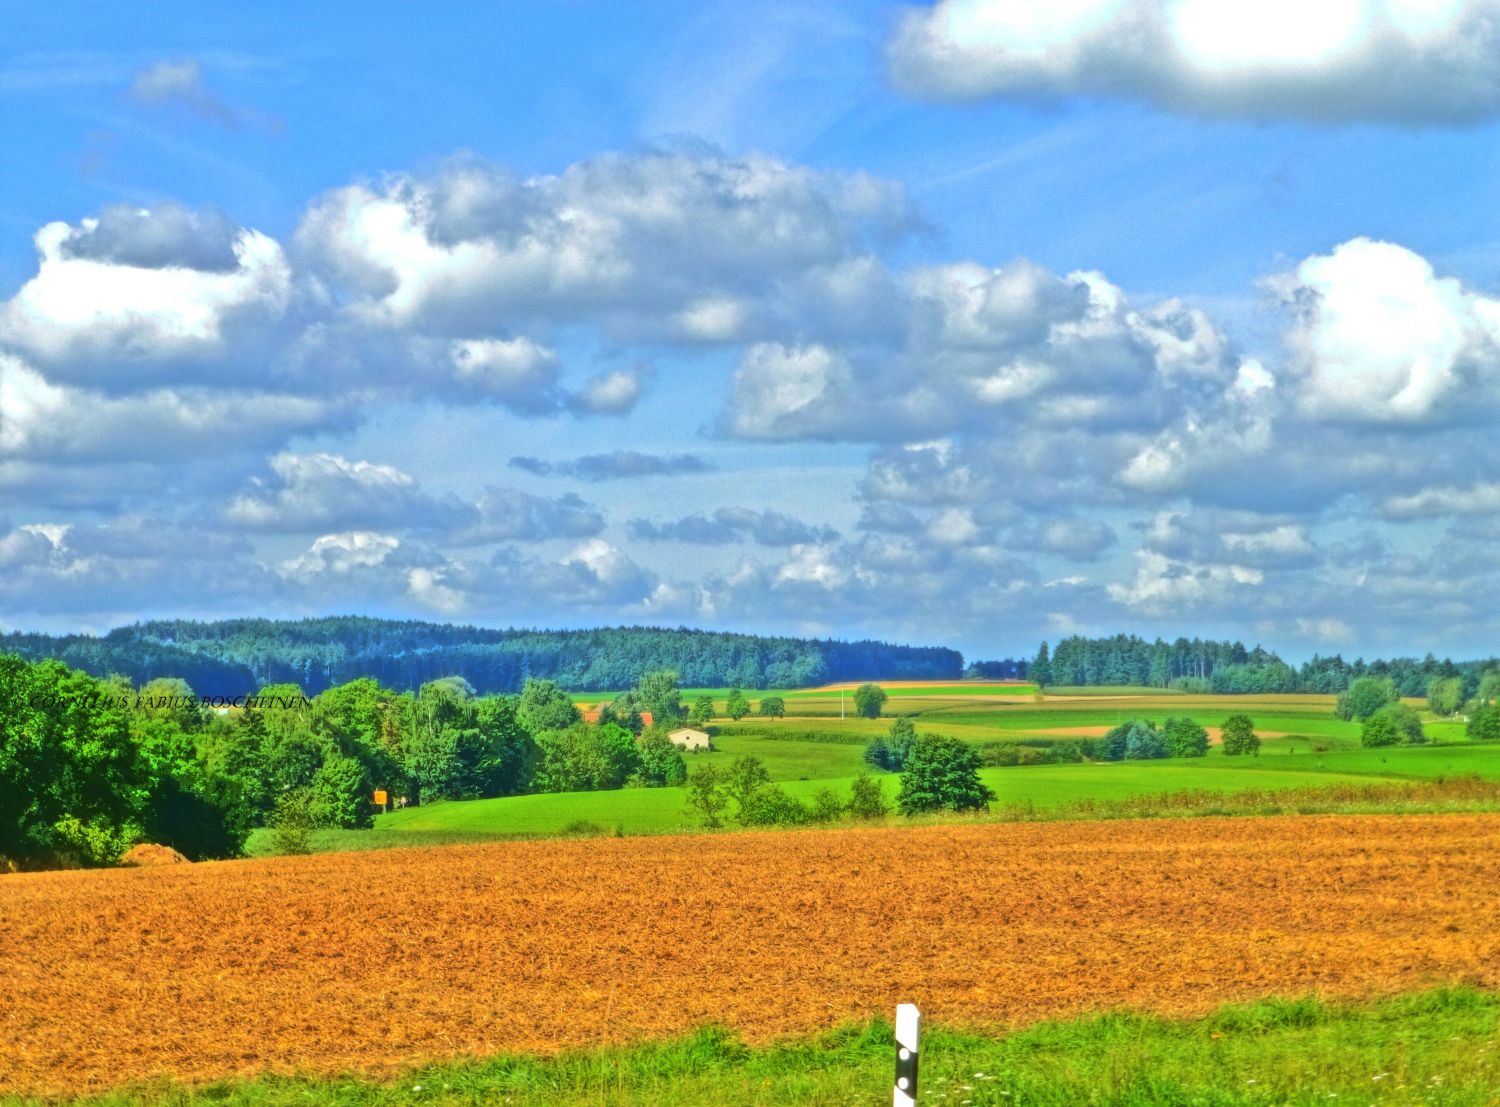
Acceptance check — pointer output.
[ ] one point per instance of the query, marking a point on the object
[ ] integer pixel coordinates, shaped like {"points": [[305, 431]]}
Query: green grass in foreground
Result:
{"points": [[1439, 1047]]}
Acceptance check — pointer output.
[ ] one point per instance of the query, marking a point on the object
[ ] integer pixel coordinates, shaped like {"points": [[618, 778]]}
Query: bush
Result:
{"points": [[1185, 738], [942, 774], [582, 828], [1238, 736], [1393, 725], [1069, 753], [293, 821], [867, 798], [1028, 752], [1000, 755], [746, 776], [826, 806], [770, 805], [1408, 723]]}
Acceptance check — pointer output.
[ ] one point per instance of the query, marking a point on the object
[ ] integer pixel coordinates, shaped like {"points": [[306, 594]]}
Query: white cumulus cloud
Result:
{"points": [[1398, 61]]}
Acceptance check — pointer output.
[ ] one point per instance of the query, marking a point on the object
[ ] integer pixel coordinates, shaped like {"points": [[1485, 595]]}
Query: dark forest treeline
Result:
{"points": [[1228, 667], [235, 656]]}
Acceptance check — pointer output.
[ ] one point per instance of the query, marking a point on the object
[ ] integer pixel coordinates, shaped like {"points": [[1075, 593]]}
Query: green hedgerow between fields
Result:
{"points": [[1437, 1047]]}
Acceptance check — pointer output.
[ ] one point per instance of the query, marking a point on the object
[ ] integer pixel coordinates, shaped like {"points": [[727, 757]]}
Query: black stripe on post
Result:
{"points": [[906, 1071], [908, 1024]]}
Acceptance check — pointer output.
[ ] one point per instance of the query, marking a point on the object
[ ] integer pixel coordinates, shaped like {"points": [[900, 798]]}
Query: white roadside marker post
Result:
{"points": [[908, 1027]]}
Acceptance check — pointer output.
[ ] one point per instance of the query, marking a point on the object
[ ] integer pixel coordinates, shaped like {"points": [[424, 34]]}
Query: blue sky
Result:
{"points": [[975, 323]]}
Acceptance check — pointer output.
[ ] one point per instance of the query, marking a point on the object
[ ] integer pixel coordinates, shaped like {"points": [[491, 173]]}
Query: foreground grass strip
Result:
{"points": [[1436, 1047]]}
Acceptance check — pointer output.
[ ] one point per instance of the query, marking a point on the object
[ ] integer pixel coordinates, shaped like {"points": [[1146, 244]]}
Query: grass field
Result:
{"points": [[358, 962], [1433, 1047], [808, 753], [1039, 787]]}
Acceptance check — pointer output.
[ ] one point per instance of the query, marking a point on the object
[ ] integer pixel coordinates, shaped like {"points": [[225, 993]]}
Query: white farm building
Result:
{"points": [[686, 738]]}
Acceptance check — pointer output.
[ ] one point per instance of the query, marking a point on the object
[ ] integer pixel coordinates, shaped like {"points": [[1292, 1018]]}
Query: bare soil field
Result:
{"points": [[365, 961]]}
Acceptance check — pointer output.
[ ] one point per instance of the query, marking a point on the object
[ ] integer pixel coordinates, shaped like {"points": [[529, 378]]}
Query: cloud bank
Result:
{"points": [[1026, 448]]}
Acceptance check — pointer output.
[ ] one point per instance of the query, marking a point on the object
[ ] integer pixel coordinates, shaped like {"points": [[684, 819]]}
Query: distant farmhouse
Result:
{"points": [[687, 738]]}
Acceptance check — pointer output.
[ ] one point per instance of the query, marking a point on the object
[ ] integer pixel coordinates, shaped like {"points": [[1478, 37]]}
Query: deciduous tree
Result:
{"points": [[1445, 695], [1238, 736], [1364, 697], [942, 774], [867, 798], [1185, 738], [706, 797], [869, 699], [545, 706], [703, 710]]}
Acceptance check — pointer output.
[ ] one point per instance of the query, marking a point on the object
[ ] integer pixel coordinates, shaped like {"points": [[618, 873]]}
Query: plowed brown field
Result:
{"points": [[362, 961]]}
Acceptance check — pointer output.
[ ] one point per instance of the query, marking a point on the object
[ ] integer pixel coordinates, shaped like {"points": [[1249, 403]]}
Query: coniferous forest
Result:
{"points": [[1203, 665], [236, 656]]}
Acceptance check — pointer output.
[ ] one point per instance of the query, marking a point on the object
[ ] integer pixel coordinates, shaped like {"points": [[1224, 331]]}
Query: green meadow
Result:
{"points": [[1305, 747]]}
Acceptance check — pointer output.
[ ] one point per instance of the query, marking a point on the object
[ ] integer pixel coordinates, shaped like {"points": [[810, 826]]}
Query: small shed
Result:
{"points": [[686, 738]]}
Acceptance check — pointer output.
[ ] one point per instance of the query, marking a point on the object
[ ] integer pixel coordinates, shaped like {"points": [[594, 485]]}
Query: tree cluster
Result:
{"points": [[1364, 697], [1143, 740], [1394, 724], [89, 766], [889, 752]]}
